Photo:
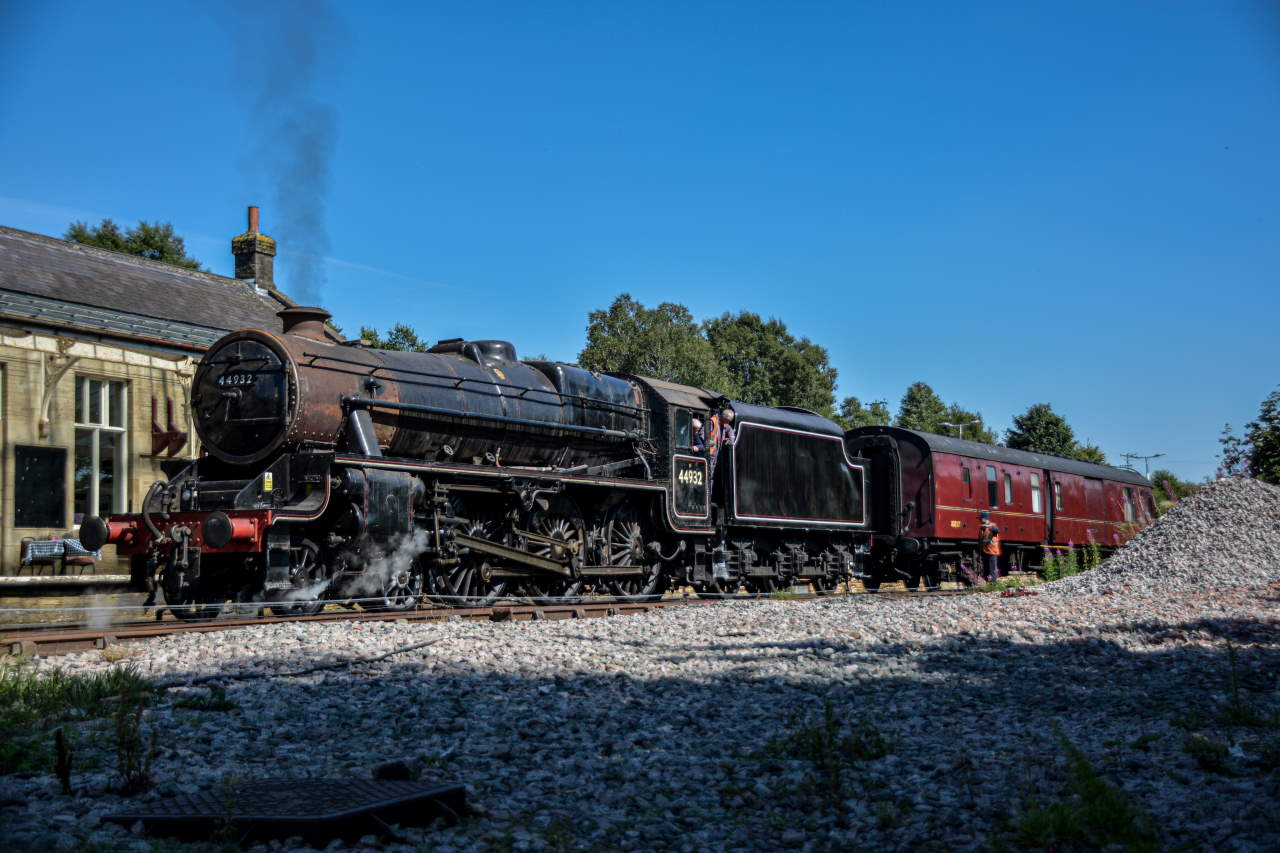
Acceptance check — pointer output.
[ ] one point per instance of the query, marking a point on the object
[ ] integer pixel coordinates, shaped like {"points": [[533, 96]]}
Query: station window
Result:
{"points": [[993, 487], [1035, 493], [1057, 496], [1008, 488], [100, 474], [1129, 514], [968, 484]]}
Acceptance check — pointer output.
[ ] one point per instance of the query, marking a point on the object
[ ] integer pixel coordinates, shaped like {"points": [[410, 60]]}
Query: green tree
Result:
{"points": [[1169, 488], [154, 240], [853, 414], [1256, 453], [1041, 430], [768, 366], [921, 409], [401, 337], [662, 342], [1089, 453], [977, 432]]}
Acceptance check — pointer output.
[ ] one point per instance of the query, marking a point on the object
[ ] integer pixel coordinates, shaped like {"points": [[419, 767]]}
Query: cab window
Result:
{"points": [[683, 431]]}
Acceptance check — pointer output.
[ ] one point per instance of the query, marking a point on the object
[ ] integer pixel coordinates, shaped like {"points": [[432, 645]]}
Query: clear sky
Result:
{"points": [[1021, 202]]}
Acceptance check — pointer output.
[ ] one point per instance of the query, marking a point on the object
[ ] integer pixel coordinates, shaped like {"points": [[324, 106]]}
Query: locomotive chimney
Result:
{"points": [[304, 321], [255, 254]]}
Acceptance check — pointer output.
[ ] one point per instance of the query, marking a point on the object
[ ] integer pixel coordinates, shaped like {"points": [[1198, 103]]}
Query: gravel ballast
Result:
{"points": [[685, 729]]}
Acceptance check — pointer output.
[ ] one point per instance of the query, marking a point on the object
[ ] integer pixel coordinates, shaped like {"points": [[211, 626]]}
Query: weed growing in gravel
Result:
{"points": [[114, 654], [1210, 755], [33, 704], [134, 753], [215, 700], [1145, 741], [1094, 815], [1237, 710], [829, 749]]}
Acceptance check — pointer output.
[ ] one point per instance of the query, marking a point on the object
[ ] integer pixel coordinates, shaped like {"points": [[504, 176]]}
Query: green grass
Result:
{"points": [[34, 704], [1093, 815]]}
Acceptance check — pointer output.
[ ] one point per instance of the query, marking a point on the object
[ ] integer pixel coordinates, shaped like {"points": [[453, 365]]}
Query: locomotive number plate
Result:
{"points": [[235, 380], [690, 476]]}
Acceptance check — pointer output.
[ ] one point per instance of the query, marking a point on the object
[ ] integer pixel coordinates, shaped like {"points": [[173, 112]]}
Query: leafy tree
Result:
{"points": [[768, 366], [1257, 452], [921, 409], [154, 240], [1168, 488], [662, 342], [1089, 453], [1041, 430], [853, 414], [977, 432], [401, 337]]}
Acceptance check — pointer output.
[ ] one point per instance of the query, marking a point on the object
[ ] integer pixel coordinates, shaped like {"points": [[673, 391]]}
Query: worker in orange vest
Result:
{"points": [[989, 543]]}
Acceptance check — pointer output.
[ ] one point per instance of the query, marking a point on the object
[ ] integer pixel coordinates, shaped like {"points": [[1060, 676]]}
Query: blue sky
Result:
{"points": [[1073, 203]]}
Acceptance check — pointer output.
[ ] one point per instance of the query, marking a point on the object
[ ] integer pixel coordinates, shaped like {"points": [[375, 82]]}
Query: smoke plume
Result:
{"points": [[287, 58]]}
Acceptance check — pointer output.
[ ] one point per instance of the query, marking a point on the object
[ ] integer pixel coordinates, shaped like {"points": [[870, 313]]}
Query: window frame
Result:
{"points": [[993, 487], [112, 412], [968, 482], [1008, 488], [1057, 496], [1037, 499]]}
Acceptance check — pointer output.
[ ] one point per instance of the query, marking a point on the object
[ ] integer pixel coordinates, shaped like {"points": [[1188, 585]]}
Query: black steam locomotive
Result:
{"points": [[463, 475]]}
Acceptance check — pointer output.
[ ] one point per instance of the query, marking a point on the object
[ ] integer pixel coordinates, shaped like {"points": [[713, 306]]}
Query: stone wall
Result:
{"points": [[37, 408]]}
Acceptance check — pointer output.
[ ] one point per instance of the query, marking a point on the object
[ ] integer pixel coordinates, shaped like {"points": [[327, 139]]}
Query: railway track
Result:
{"points": [[27, 641]]}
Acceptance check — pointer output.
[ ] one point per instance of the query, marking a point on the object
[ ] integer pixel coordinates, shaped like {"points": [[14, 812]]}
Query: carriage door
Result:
{"points": [[689, 480]]}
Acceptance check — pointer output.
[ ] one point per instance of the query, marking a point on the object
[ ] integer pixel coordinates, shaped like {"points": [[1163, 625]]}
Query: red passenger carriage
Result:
{"points": [[926, 492]]}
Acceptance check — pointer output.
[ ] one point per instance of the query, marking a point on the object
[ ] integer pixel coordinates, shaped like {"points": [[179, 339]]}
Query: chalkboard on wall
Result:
{"points": [[39, 486]]}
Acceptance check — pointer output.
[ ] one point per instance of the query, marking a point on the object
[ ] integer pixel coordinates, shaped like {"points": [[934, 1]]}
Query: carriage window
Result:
{"points": [[1128, 505], [682, 433], [1008, 488], [993, 487], [968, 484], [1057, 496], [1035, 493]]}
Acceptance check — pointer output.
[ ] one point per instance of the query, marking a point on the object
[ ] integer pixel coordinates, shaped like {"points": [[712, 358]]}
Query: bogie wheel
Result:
{"points": [[469, 583], [562, 522]]}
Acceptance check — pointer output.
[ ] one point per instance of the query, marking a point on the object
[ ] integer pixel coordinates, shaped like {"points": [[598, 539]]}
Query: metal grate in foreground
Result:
{"points": [[318, 810]]}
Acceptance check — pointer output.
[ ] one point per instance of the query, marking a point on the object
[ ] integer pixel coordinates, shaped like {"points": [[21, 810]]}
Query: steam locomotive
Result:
{"points": [[337, 472]]}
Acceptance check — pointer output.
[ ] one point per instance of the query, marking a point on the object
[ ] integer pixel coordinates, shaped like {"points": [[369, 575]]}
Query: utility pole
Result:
{"points": [[1146, 460], [959, 426]]}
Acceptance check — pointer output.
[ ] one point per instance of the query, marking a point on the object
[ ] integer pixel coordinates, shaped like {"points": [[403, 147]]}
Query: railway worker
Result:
{"points": [[989, 543], [719, 435], [698, 442]]}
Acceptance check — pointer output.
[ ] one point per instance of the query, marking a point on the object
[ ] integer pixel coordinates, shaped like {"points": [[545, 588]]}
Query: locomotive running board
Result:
{"points": [[506, 552]]}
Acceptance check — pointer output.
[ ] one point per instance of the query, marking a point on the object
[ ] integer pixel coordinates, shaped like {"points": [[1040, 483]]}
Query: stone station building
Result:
{"points": [[97, 353]]}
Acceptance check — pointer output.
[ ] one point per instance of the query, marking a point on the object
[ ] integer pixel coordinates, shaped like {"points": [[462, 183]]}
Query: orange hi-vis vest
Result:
{"points": [[713, 436], [990, 541]]}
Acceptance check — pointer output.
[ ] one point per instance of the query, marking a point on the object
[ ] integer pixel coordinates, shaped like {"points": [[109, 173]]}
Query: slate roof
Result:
{"points": [[53, 282]]}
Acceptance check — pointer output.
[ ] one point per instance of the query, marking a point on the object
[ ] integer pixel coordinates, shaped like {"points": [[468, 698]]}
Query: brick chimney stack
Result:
{"points": [[255, 254]]}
